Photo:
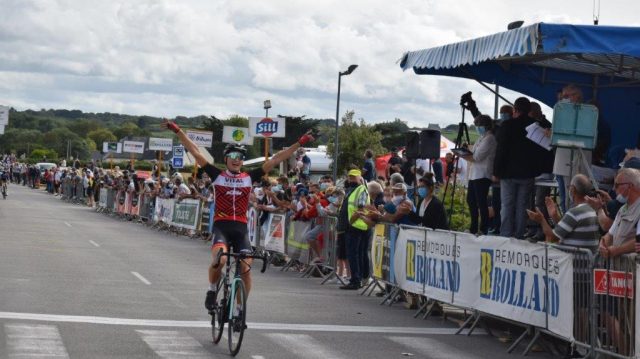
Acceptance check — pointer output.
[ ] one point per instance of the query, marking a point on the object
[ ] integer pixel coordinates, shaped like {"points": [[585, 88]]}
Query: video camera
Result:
{"points": [[467, 102]]}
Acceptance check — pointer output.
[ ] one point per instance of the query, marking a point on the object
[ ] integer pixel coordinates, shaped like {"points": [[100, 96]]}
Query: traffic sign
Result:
{"points": [[178, 151], [178, 162]]}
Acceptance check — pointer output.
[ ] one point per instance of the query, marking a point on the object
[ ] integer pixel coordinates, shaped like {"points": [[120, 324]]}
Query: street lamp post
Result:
{"points": [[267, 106], [335, 148]]}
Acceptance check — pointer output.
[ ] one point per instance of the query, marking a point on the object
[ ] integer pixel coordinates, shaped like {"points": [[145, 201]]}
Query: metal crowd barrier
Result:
{"points": [[615, 306]]}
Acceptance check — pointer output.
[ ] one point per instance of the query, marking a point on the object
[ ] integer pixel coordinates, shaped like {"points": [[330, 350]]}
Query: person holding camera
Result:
{"points": [[481, 159]]}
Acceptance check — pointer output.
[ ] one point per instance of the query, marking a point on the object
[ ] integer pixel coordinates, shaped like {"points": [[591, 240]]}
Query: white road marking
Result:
{"points": [[30, 341], [432, 348], [142, 279], [257, 357], [67, 223], [173, 344], [302, 343], [94, 243], [207, 324]]}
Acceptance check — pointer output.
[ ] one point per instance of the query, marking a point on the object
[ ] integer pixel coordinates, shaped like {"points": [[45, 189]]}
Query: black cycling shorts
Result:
{"points": [[231, 234]]}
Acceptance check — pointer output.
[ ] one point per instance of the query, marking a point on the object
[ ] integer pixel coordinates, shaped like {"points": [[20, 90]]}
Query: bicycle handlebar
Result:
{"points": [[244, 256]]}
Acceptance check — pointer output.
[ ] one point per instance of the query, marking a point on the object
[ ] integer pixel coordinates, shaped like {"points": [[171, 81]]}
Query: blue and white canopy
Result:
{"points": [[538, 60]]}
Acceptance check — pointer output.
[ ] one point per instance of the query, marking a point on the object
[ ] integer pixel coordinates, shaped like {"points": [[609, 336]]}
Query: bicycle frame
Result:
{"points": [[237, 276]]}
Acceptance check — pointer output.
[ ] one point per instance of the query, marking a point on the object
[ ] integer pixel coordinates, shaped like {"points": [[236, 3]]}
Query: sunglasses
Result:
{"points": [[235, 155]]}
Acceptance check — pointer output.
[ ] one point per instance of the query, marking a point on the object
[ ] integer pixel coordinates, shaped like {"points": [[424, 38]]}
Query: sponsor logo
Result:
{"points": [[518, 288], [266, 127], [433, 272], [616, 284], [237, 135]]}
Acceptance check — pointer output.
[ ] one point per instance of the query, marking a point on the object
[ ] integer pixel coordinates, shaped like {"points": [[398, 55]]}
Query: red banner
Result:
{"points": [[616, 284]]}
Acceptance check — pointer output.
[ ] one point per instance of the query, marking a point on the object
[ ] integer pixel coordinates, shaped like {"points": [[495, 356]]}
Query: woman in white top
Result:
{"points": [[484, 151]]}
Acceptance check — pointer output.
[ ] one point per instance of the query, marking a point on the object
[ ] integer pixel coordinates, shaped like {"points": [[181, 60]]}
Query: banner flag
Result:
{"points": [[201, 138], [252, 223], [297, 247], [266, 127], [185, 213], [377, 250], [111, 147], [102, 202], [274, 240], [160, 144], [231, 134], [133, 147], [4, 115]]}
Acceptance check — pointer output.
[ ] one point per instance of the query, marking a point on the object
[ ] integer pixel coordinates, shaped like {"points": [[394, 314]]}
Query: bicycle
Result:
{"points": [[234, 297], [4, 189]]}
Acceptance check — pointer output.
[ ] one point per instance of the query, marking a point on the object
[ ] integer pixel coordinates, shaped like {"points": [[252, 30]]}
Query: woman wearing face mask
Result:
{"points": [[484, 151], [398, 210], [430, 212]]}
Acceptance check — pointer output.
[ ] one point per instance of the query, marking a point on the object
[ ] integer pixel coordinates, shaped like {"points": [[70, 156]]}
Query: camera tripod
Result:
{"points": [[463, 134]]}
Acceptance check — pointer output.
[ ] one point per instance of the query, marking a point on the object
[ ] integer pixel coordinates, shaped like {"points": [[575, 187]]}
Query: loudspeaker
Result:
{"points": [[412, 148], [429, 144]]}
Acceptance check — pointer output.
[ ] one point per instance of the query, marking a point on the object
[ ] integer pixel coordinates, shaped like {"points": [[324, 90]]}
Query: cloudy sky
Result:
{"points": [[216, 57]]}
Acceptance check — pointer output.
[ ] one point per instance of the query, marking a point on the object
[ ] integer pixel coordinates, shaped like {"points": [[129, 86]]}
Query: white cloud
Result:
{"points": [[223, 57]]}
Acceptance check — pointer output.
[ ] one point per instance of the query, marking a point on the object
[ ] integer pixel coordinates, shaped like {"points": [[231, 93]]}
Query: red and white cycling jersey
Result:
{"points": [[232, 193]]}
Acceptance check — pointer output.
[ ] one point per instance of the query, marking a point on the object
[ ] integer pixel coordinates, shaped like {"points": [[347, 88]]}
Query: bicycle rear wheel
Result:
{"points": [[237, 322]]}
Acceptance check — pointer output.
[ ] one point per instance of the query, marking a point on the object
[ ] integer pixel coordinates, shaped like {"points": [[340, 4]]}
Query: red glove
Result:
{"points": [[173, 127], [305, 138]]}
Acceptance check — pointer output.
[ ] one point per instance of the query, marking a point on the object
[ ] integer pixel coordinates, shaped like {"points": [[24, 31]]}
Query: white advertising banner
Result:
{"points": [[4, 115], [252, 225], [111, 147], [239, 135], [266, 127], [508, 278], [201, 138], [160, 144], [409, 260], [133, 147], [519, 281], [274, 240], [102, 203], [164, 210]]}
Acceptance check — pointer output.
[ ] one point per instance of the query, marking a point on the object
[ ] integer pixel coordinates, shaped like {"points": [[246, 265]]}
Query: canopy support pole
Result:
{"points": [[495, 92]]}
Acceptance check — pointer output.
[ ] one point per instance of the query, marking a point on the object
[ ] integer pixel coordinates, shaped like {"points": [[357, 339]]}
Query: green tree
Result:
{"points": [[393, 133], [82, 127], [20, 141], [129, 129], [40, 154], [58, 139], [354, 138], [102, 135]]}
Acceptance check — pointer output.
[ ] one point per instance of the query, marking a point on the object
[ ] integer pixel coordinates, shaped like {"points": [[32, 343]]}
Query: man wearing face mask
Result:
{"points": [[620, 238], [356, 230]]}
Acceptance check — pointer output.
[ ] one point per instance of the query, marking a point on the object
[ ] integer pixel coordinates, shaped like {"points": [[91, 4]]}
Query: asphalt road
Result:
{"points": [[79, 284]]}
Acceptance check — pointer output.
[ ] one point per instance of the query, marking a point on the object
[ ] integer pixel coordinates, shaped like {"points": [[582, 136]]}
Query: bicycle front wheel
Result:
{"points": [[237, 321], [219, 315]]}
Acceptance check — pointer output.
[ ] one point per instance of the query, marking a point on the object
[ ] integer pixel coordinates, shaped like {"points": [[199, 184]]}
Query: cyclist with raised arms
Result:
{"points": [[232, 189]]}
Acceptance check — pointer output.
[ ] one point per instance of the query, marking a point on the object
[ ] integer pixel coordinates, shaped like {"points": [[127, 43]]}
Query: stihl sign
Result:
{"points": [[617, 284]]}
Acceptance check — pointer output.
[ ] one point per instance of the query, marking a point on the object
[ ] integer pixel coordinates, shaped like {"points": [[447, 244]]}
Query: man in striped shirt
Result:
{"points": [[579, 225]]}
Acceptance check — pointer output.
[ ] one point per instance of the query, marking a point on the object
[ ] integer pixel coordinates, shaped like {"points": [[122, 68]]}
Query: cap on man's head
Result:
{"points": [[399, 187], [355, 172], [632, 162]]}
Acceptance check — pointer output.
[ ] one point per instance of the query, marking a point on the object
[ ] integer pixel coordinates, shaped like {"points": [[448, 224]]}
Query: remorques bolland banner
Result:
{"points": [[509, 278]]}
